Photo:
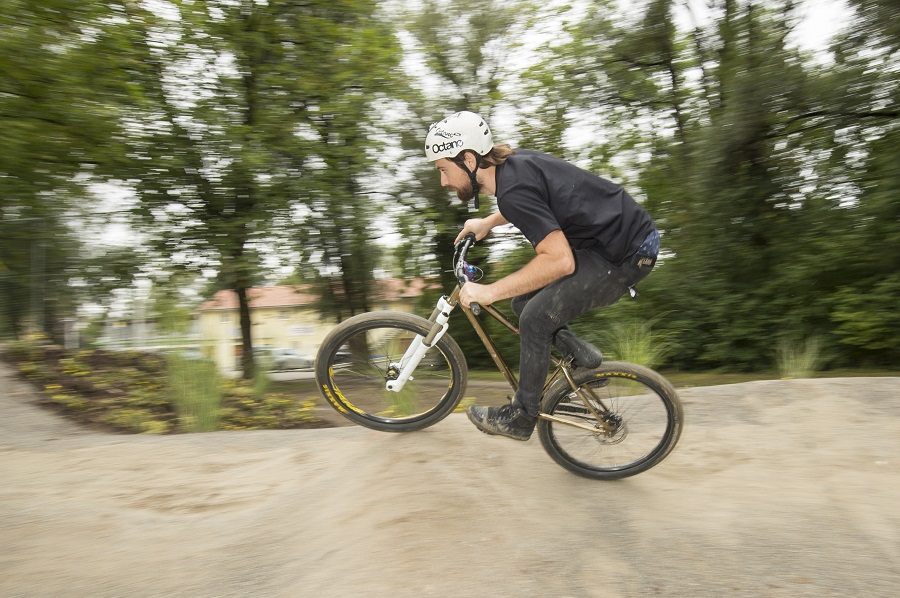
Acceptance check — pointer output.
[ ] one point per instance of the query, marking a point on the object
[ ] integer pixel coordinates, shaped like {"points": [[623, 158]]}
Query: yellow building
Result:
{"points": [[285, 317]]}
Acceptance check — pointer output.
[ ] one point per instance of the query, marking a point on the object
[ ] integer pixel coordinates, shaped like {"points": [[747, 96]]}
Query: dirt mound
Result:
{"points": [[776, 488]]}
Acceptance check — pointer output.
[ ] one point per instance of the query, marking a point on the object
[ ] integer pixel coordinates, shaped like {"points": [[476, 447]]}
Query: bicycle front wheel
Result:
{"points": [[623, 420], [360, 355]]}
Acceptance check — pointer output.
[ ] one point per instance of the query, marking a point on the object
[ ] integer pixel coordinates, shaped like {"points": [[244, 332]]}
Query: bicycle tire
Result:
{"points": [[644, 419], [351, 372]]}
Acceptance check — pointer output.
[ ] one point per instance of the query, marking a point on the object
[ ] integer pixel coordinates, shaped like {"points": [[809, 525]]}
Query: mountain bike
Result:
{"points": [[399, 372]]}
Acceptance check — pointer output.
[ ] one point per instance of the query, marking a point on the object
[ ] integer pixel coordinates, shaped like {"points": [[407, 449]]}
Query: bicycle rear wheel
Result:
{"points": [[361, 354], [623, 420]]}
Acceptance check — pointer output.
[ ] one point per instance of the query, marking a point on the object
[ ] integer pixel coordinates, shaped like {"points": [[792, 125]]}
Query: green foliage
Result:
{"points": [[774, 182], [136, 392], [251, 131], [255, 116], [141, 421], [62, 74], [867, 316], [196, 392], [261, 380], [799, 361], [635, 341], [465, 48], [243, 409]]}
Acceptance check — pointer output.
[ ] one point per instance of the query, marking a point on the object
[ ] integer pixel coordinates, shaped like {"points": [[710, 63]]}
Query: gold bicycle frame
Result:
{"points": [[562, 366]]}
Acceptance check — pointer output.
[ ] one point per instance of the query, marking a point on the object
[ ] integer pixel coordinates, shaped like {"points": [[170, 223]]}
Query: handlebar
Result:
{"points": [[459, 265]]}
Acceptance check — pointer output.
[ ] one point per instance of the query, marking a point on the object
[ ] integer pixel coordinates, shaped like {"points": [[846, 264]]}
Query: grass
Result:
{"points": [[635, 341], [799, 360], [196, 393], [692, 379], [676, 377]]}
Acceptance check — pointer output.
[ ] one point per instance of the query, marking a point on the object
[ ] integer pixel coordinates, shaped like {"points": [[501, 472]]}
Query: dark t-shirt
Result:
{"points": [[538, 194]]}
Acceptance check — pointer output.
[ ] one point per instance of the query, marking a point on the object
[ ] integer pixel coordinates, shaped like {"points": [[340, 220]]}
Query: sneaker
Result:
{"points": [[509, 420]]}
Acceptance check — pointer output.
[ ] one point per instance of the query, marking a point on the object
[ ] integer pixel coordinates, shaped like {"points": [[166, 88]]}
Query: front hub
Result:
{"points": [[393, 372]]}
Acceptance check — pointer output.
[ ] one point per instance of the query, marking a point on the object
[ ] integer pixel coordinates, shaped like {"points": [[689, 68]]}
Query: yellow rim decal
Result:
{"points": [[327, 392], [615, 375], [343, 402]]}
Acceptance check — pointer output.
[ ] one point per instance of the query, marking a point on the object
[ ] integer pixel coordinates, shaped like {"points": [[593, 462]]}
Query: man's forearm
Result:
{"points": [[554, 260], [496, 219], [538, 273]]}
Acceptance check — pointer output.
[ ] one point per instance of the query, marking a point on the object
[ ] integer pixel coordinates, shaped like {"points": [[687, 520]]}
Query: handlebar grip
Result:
{"points": [[476, 309]]}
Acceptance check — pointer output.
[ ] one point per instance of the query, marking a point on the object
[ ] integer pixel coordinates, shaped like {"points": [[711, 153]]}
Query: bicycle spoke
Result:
{"points": [[363, 356], [612, 427]]}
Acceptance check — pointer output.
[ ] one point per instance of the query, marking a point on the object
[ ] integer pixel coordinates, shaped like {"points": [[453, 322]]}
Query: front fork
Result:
{"points": [[399, 373]]}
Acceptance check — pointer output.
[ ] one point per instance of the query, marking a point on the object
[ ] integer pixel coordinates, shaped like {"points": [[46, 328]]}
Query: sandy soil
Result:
{"points": [[781, 488]]}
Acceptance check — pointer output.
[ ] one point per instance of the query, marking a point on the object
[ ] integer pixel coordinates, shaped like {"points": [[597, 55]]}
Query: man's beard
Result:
{"points": [[466, 193]]}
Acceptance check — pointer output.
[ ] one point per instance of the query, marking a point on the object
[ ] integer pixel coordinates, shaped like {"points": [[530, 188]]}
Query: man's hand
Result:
{"points": [[477, 293], [480, 227]]}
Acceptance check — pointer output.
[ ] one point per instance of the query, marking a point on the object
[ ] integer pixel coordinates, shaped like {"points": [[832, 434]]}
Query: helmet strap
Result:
{"points": [[476, 186]]}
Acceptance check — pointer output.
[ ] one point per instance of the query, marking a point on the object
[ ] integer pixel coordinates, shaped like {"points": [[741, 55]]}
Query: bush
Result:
{"points": [[140, 392], [245, 409]]}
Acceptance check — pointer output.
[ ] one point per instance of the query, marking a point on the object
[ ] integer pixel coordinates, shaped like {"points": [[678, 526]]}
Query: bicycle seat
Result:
{"points": [[583, 353]]}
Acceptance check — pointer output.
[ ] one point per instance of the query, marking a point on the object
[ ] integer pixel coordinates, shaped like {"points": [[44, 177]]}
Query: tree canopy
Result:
{"points": [[256, 139]]}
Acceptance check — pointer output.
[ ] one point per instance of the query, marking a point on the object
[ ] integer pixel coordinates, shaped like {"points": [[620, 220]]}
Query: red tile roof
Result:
{"points": [[299, 295]]}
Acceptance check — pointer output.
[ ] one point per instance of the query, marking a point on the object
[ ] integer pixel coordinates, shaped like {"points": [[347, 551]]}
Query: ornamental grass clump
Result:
{"points": [[196, 393], [635, 341], [799, 360]]}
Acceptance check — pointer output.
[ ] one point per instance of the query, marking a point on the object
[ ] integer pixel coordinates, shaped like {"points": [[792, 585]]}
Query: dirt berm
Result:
{"points": [[781, 488]]}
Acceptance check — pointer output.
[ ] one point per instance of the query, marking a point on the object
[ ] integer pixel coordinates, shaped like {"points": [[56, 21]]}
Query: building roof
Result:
{"points": [[389, 289]]}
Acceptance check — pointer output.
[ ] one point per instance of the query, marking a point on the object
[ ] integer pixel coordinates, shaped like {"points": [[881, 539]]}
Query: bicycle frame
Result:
{"points": [[440, 317], [394, 371]]}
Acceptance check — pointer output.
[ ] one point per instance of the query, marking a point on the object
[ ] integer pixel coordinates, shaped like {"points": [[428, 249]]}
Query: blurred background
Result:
{"points": [[156, 152]]}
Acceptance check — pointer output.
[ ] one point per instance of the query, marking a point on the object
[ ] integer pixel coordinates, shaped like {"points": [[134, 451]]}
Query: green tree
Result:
{"points": [[463, 51], [56, 121], [248, 113], [770, 176]]}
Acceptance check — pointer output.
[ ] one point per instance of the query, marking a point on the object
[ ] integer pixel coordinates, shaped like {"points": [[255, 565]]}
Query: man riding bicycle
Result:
{"points": [[593, 243]]}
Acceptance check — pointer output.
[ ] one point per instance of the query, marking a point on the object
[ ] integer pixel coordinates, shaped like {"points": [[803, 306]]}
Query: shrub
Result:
{"points": [[139, 392], [243, 409]]}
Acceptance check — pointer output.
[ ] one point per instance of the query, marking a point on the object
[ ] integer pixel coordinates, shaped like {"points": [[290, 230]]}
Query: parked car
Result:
{"points": [[284, 359]]}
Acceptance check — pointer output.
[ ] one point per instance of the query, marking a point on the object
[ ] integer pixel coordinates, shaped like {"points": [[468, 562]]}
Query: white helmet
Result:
{"points": [[458, 132]]}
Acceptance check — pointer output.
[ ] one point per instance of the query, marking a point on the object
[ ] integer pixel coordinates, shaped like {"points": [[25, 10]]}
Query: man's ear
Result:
{"points": [[471, 161]]}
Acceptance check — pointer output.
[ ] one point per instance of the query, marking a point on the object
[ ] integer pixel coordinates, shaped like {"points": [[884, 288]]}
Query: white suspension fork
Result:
{"points": [[417, 349]]}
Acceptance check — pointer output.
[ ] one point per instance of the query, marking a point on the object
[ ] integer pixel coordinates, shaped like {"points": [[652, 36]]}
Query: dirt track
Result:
{"points": [[776, 489]]}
